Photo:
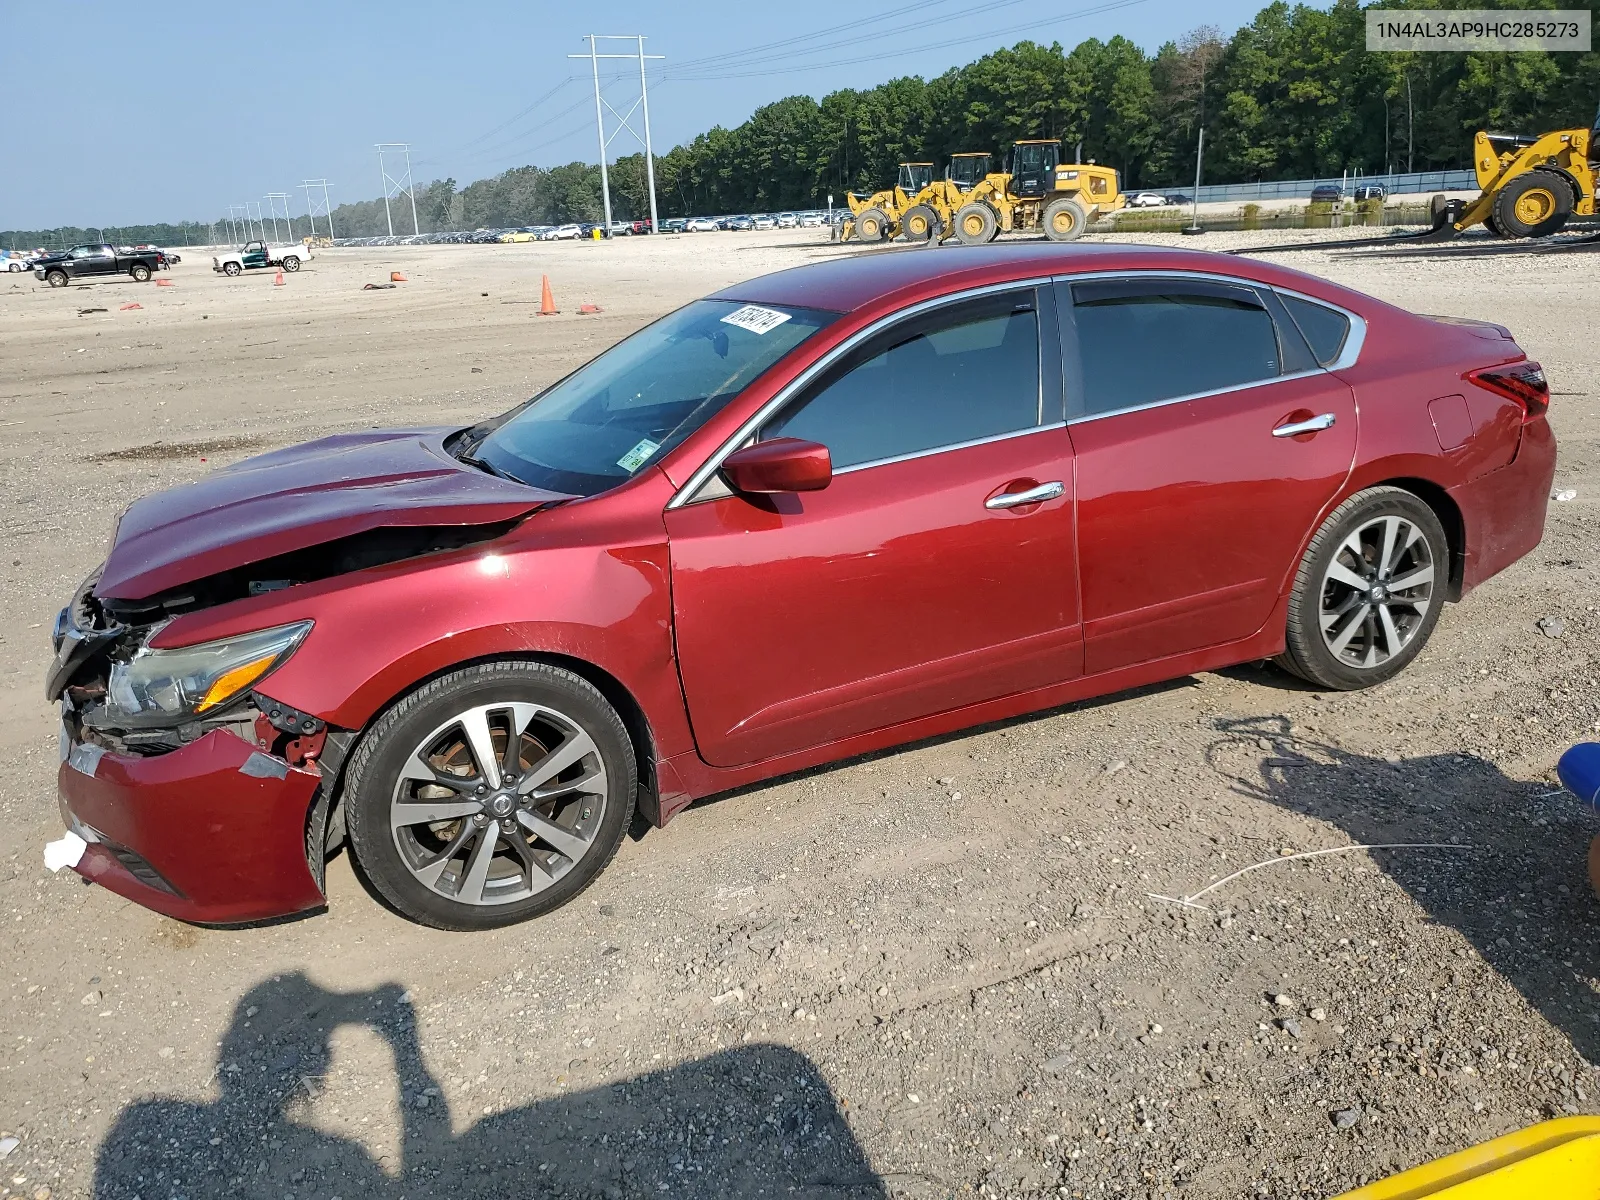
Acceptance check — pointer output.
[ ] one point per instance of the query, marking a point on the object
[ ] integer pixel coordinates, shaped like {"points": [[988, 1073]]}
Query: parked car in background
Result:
{"points": [[621, 229], [765, 222], [648, 584], [1327, 193], [812, 220], [701, 225], [95, 261], [738, 224], [1147, 200], [1369, 192], [565, 233], [788, 221], [674, 224], [518, 235], [255, 255], [16, 262], [1179, 198]]}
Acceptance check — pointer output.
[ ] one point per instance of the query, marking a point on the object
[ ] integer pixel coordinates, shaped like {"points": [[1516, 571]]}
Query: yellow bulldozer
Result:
{"points": [[1039, 191], [876, 217], [1531, 186]]}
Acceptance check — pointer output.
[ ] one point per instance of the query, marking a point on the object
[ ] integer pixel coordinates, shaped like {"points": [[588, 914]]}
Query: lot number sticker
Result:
{"points": [[634, 459], [756, 319]]}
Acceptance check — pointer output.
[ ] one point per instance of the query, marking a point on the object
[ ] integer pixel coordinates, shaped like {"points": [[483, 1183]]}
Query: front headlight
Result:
{"points": [[167, 687]]}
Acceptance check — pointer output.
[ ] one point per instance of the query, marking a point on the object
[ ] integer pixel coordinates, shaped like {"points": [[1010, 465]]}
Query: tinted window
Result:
{"points": [[959, 376], [1325, 328], [606, 421], [1144, 342]]}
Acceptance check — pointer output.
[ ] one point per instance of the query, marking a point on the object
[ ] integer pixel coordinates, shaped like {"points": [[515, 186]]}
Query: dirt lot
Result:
{"points": [[933, 972]]}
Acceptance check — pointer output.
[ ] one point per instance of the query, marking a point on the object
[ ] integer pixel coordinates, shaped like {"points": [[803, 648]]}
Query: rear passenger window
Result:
{"points": [[1326, 329], [960, 375], [1145, 341]]}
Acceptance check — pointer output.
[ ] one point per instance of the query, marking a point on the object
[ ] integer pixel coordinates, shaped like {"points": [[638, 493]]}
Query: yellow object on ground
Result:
{"points": [[1557, 1160]]}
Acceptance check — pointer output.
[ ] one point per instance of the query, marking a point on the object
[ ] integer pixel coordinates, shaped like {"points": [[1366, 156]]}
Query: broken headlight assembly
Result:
{"points": [[155, 689]]}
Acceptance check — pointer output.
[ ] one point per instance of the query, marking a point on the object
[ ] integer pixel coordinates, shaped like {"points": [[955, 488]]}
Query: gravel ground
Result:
{"points": [[946, 970]]}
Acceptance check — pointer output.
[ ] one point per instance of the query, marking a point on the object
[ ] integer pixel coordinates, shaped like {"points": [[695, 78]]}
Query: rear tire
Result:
{"points": [[56, 278], [463, 855], [976, 224], [1534, 205], [291, 263], [1065, 219], [1368, 592], [140, 273], [919, 223], [872, 225]]}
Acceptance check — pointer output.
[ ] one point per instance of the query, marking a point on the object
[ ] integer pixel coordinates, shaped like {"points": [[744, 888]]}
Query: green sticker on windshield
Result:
{"points": [[634, 459]]}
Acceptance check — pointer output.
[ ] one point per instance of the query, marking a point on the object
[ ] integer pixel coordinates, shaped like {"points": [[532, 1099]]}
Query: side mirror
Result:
{"points": [[781, 465]]}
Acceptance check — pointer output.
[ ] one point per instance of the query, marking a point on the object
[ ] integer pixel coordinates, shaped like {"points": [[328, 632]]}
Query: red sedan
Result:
{"points": [[826, 511]]}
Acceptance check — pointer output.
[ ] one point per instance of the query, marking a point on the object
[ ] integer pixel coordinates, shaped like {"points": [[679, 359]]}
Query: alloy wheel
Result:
{"points": [[1376, 591], [498, 803]]}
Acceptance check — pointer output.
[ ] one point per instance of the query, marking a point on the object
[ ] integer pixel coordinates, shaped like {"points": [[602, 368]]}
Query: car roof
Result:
{"points": [[845, 284]]}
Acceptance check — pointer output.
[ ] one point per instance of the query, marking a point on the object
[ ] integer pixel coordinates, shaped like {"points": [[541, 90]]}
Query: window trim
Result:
{"points": [[1347, 356], [1048, 337]]}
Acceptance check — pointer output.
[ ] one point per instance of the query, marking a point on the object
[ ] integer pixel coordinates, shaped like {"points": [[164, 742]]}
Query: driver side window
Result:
{"points": [[962, 374]]}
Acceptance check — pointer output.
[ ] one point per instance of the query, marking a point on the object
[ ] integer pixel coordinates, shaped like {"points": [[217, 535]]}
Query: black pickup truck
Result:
{"points": [[88, 262]]}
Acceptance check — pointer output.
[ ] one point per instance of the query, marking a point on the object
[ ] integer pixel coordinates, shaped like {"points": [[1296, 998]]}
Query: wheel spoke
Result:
{"points": [[1369, 623], [419, 770], [576, 747], [1411, 579], [478, 864], [589, 781], [1340, 573], [430, 871], [535, 875], [1358, 618], [1398, 535], [520, 715], [475, 724], [423, 812], [1391, 634], [573, 845]]}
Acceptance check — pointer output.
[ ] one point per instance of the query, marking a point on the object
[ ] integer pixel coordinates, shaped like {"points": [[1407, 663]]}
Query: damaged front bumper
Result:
{"points": [[213, 832]]}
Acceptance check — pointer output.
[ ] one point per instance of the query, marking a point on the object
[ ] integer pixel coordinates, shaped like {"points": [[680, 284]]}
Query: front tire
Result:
{"points": [[56, 278], [1065, 219], [231, 269], [1368, 592], [872, 225], [1534, 205], [976, 224], [491, 795]]}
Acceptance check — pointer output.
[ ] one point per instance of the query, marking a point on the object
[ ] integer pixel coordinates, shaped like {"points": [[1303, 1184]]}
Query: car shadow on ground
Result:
{"points": [[756, 1120], [1520, 895]]}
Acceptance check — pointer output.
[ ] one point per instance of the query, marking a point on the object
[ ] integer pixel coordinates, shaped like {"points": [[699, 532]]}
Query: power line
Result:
{"points": [[877, 19]]}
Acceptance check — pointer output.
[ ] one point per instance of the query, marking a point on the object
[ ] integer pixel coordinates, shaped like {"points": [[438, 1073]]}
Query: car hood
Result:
{"points": [[303, 496]]}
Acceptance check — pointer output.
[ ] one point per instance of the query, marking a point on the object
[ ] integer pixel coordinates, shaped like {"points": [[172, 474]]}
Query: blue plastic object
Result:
{"points": [[1579, 769]]}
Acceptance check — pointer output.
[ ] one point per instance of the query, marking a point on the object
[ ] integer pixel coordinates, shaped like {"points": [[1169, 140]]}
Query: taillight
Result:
{"points": [[1524, 382]]}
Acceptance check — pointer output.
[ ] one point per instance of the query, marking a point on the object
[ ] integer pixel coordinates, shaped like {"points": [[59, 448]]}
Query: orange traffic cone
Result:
{"points": [[163, 283], [396, 277], [278, 282], [547, 302]]}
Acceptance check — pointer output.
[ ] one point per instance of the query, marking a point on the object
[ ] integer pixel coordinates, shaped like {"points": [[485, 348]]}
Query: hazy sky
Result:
{"points": [[117, 113]]}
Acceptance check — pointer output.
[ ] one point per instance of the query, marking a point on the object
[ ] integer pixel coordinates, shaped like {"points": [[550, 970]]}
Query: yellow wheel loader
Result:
{"points": [[1039, 191], [877, 217], [1530, 186]]}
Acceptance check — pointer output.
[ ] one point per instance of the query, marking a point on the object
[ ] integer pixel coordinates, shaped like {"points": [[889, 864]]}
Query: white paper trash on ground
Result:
{"points": [[64, 852]]}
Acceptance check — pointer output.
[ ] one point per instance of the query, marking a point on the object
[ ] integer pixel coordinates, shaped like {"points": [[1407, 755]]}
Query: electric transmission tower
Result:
{"points": [[601, 103], [313, 211], [273, 199], [402, 186]]}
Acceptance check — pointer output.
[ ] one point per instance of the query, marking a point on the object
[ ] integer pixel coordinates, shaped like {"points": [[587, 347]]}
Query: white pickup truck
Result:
{"points": [[258, 254]]}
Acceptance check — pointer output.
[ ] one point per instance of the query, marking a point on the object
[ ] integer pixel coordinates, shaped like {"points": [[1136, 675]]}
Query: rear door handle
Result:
{"points": [[1312, 425], [1034, 495]]}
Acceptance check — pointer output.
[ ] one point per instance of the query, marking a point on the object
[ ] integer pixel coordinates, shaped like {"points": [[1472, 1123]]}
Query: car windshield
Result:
{"points": [[608, 420]]}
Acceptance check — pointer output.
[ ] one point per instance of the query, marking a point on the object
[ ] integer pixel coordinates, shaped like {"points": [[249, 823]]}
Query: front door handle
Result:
{"points": [[1034, 495], [1310, 425]]}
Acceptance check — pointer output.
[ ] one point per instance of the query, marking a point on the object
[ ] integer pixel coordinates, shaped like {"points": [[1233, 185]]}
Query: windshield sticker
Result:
{"points": [[634, 459], [756, 319]]}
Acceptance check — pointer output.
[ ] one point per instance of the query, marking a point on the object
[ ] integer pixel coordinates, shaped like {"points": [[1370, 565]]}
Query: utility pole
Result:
{"points": [[1411, 164], [600, 104], [273, 209], [397, 187], [261, 228], [1199, 157]]}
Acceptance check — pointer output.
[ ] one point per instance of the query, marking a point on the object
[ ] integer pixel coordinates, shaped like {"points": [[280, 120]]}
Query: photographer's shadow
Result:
{"points": [[1519, 894], [753, 1121]]}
